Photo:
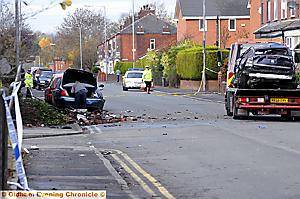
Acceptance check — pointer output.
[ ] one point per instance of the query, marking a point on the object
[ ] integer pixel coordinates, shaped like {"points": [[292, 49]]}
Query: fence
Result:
{"points": [[3, 145]]}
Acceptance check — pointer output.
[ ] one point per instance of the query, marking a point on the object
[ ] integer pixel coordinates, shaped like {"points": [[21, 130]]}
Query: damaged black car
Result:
{"points": [[266, 66]]}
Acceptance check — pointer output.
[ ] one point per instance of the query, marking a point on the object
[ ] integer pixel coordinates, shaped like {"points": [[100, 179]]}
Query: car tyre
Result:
{"points": [[125, 89]]}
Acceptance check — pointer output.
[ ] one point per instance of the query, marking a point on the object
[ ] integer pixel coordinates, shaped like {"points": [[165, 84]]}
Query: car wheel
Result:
{"points": [[125, 89]]}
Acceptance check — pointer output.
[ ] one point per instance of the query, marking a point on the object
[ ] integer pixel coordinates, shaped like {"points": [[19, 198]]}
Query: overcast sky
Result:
{"points": [[49, 20]]}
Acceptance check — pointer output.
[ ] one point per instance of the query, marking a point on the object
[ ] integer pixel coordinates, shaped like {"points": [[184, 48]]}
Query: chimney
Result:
{"points": [[146, 10]]}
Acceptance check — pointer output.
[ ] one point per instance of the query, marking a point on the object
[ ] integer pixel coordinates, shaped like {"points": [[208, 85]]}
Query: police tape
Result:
{"points": [[19, 122], [210, 70], [14, 139]]}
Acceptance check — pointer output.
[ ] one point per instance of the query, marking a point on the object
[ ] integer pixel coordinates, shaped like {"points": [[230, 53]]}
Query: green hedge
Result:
{"points": [[189, 63], [123, 66]]}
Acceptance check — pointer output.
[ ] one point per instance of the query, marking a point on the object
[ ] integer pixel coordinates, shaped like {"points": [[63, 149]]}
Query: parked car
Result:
{"points": [[44, 79], [133, 79], [268, 65], [59, 92], [41, 77]]}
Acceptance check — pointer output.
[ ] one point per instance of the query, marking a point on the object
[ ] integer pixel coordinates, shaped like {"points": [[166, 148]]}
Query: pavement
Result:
{"points": [[39, 132], [180, 147], [70, 167]]}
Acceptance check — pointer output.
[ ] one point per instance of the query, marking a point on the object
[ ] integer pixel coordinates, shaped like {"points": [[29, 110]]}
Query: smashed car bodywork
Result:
{"points": [[266, 66]]}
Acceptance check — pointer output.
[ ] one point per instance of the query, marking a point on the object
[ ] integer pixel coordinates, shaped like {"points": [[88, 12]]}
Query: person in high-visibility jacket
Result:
{"points": [[28, 84], [147, 78]]}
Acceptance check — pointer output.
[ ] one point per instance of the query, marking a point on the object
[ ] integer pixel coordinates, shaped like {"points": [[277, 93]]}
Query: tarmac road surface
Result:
{"points": [[182, 147]]}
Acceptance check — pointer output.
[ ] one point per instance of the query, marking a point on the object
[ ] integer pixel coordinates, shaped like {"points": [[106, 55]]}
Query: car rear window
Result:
{"points": [[134, 75], [46, 74], [274, 51]]}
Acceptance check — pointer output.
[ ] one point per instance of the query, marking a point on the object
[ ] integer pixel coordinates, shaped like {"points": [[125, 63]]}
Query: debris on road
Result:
{"points": [[262, 127]]}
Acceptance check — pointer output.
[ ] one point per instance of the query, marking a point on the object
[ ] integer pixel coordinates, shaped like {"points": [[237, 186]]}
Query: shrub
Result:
{"points": [[95, 69], [168, 61], [123, 66], [189, 63]]}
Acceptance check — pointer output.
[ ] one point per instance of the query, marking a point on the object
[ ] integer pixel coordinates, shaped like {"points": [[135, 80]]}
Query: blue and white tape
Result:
{"points": [[15, 144]]}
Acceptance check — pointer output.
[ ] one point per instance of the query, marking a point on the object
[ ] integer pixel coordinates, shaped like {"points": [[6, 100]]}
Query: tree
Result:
{"points": [[160, 10], [28, 46], [225, 36], [92, 26]]}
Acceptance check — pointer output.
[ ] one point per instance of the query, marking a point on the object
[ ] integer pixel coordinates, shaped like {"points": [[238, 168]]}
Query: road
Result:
{"points": [[182, 147]]}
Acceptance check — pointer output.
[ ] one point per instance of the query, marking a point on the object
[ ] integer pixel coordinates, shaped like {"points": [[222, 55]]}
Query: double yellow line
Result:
{"points": [[150, 178]]}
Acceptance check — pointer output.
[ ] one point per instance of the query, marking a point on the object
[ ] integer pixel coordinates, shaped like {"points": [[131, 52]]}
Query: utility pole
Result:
{"points": [[3, 145], [17, 42], [105, 45], [204, 47], [133, 36], [1, 13]]}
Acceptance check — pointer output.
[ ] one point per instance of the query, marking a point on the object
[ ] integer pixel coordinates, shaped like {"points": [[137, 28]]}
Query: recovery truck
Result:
{"points": [[240, 102]]}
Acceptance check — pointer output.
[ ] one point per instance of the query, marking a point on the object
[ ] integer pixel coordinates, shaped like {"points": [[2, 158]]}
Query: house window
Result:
{"points": [[289, 42], [283, 9], [201, 25], [292, 12], [232, 24], [269, 10], [275, 9], [152, 44]]}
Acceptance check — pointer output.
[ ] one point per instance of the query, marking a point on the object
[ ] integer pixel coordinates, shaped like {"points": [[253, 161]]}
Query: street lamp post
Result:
{"points": [[53, 55], [133, 36], [204, 47], [17, 26]]}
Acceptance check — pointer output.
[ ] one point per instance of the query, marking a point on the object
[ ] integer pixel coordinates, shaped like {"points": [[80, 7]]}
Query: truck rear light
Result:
{"points": [[244, 100], [261, 100], [64, 93], [297, 100]]}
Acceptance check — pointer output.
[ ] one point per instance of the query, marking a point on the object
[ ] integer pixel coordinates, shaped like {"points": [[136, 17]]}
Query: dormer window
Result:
{"points": [[166, 30], [140, 30]]}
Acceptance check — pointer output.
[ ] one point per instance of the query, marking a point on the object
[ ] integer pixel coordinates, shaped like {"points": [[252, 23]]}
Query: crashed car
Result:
{"points": [[266, 66], [59, 92]]}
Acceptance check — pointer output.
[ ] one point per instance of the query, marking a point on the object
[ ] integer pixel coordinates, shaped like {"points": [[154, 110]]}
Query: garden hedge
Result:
{"points": [[189, 63], [123, 66]]}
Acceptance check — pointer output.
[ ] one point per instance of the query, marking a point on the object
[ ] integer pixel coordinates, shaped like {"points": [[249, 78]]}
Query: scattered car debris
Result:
{"points": [[34, 148], [262, 127]]}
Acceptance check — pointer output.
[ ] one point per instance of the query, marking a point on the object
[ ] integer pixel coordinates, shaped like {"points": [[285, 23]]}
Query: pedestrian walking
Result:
{"points": [[118, 73], [28, 84], [147, 78], [80, 95]]}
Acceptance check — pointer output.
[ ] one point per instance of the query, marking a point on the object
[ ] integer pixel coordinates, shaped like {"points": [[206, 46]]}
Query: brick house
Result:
{"points": [[151, 33], [278, 21], [227, 21]]}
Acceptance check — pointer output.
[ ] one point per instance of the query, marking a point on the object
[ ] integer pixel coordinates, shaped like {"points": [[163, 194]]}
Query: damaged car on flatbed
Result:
{"points": [[269, 65], [59, 92], [261, 80]]}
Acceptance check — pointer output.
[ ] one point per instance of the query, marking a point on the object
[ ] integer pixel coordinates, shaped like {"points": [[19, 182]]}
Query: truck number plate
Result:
{"points": [[279, 100]]}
